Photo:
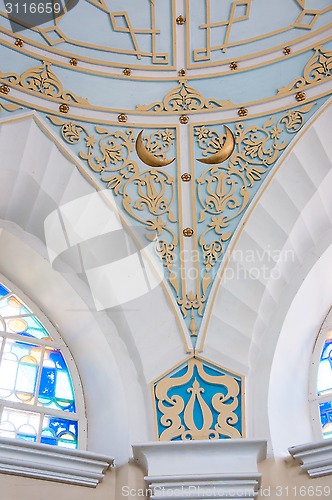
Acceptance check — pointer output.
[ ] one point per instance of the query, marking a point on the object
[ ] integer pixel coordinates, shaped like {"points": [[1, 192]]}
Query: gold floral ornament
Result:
{"points": [[184, 98], [198, 404], [147, 196], [317, 69], [223, 191], [42, 80]]}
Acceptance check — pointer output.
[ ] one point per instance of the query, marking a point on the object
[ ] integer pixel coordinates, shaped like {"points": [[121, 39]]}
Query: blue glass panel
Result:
{"points": [[3, 290], [26, 437], [327, 349], [58, 360], [47, 383], [325, 412], [35, 328], [48, 440], [60, 425], [48, 437]]}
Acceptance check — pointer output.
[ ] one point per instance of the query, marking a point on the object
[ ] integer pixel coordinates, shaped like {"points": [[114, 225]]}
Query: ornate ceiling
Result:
{"points": [[220, 87]]}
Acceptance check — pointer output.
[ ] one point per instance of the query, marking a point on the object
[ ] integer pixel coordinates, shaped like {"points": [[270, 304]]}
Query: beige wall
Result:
{"points": [[282, 479], [23, 488]]}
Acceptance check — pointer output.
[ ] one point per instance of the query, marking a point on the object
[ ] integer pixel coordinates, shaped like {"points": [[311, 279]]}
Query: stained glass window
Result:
{"points": [[324, 386], [37, 401]]}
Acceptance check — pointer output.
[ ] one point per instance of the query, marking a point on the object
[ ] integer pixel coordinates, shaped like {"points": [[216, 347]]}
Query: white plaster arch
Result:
{"points": [[264, 325], [115, 368]]}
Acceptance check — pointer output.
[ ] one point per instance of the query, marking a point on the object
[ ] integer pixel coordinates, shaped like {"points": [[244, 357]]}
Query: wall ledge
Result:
{"points": [[316, 458], [42, 461], [202, 469]]}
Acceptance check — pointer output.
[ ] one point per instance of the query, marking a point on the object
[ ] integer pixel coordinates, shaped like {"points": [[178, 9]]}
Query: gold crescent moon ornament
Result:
{"points": [[224, 152], [147, 157]]}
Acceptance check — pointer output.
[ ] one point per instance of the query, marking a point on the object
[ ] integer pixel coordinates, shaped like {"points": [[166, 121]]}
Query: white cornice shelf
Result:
{"points": [[316, 458], [42, 461], [202, 469]]}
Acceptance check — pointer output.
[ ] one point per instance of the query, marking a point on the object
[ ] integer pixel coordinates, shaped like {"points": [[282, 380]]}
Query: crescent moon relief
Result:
{"points": [[224, 152], [147, 157]]}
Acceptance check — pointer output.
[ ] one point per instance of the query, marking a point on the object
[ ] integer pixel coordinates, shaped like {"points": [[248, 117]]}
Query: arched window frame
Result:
{"points": [[57, 342], [314, 398]]}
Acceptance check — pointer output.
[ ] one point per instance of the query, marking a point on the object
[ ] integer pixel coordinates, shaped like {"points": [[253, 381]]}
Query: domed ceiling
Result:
{"points": [[218, 90]]}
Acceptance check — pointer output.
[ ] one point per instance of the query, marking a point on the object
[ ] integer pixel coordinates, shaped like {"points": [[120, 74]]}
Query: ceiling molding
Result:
{"points": [[202, 469], [41, 461], [316, 458]]}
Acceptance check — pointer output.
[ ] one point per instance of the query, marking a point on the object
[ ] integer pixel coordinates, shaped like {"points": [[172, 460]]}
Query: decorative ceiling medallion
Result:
{"points": [[225, 151], [42, 80], [186, 177], [300, 96], [242, 112], [63, 108], [184, 98], [199, 401], [317, 69], [122, 118], [188, 232], [4, 89], [184, 119], [147, 157], [180, 20]]}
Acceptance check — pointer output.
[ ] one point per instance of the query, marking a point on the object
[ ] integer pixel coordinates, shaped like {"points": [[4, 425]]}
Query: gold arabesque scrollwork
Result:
{"points": [[9, 106], [178, 412], [184, 98], [147, 196], [317, 69], [42, 80], [223, 190]]}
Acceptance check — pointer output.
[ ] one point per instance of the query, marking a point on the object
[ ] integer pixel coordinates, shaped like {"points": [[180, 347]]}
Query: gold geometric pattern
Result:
{"points": [[307, 19], [205, 54]]}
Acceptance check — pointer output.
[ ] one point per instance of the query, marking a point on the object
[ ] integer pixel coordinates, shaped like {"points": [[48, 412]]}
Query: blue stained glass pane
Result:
{"points": [[326, 412], [48, 437], [48, 440], [60, 425], [47, 383], [3, 290], [26, 437], [58, 360], [35, 328], [327, 349]]}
